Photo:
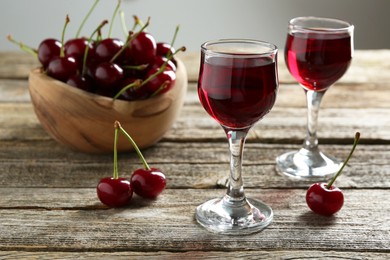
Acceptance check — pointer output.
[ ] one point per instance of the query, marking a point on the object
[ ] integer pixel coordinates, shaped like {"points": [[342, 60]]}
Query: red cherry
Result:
{"points": [[76, 48], [108, 74], [62, 68], [324, 198], [164, 49], [114, 192], [159, 61], [148, 183], [160, 83], [133, 93], [142, 48], [324, 201], [107, 48], [81, 82], [47, 50]]}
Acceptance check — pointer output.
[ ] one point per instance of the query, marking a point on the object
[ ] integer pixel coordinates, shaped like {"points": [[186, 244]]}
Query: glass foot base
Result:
{"points": [[234, 218], [307, 165]]}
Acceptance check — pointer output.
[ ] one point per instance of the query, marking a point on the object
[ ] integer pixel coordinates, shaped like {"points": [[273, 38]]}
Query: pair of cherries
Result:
{"points": [[146, 182]]}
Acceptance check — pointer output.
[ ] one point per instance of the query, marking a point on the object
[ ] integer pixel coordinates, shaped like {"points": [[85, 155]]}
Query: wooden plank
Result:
{"points": [[73, 219], [255, 254], [186, 165]]}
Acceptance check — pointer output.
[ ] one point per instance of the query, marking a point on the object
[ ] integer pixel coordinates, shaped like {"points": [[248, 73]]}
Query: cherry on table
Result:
{"points": [[147, 182], [324, 198], [114, 192]]}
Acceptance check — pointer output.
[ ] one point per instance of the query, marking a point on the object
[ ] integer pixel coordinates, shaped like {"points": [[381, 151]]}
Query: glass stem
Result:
{"points": [[236, 140], [313, 99]]}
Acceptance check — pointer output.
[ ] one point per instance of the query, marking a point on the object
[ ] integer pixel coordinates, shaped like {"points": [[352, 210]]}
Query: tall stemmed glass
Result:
{"points": [[237, 86], [318, 52]]}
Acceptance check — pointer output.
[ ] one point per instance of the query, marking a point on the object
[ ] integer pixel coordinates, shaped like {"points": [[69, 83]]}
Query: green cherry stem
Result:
{"points": [[62, 52], [115, 175], [355, 142], [113, 18], [86, 18], [23, 47], [118, 126], [129, 39], [137, 83], [123, 22], [84, 69]]}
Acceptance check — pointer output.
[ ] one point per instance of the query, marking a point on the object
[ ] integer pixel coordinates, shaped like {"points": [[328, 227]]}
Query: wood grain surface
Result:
{"points": [[49, 208]]}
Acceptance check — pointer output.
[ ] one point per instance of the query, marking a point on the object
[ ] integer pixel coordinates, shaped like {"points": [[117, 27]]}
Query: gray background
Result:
{"points": [[31, 21]]}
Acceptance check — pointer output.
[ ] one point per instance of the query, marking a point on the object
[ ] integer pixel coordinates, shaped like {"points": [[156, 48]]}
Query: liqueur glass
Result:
{"points": [[237, 86], [318, 52]]}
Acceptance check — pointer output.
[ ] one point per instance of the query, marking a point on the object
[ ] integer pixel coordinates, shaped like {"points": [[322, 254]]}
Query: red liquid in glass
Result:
{"points": [[318, 60], [237, 92]]}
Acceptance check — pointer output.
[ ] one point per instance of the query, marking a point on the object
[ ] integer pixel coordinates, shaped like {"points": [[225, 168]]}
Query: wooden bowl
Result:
{"points": [[84, 121]]}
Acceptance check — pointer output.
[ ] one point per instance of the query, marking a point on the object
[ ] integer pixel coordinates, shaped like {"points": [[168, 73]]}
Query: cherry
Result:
{"points": [[82, 82], [159, 61], [76, 48], [143, 48], [47, 50], [160, 81], [148, 182], [108, 74], [107, 48], [131, 90], [324, 198], [164, 49], [61, 68], [114, 191]]}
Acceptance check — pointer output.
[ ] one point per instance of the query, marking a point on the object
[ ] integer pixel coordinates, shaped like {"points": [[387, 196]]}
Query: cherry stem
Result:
{"points": [[162, 68], [137, 83], [137, 22], [129, 40], [118, 126], [123, 22], [115, 175], [86, 18], [155, 93], [62, 52], [87, 48], [23, 47], [173, 40], [113, 17], [355, 142]]}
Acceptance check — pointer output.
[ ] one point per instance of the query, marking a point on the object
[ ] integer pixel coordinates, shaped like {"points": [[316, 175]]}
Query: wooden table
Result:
{"points": [[49, 208]]}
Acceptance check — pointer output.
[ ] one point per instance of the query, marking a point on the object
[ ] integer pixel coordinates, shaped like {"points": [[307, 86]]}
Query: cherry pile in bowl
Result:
{"points": [[135, 68], [106, 72]]}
